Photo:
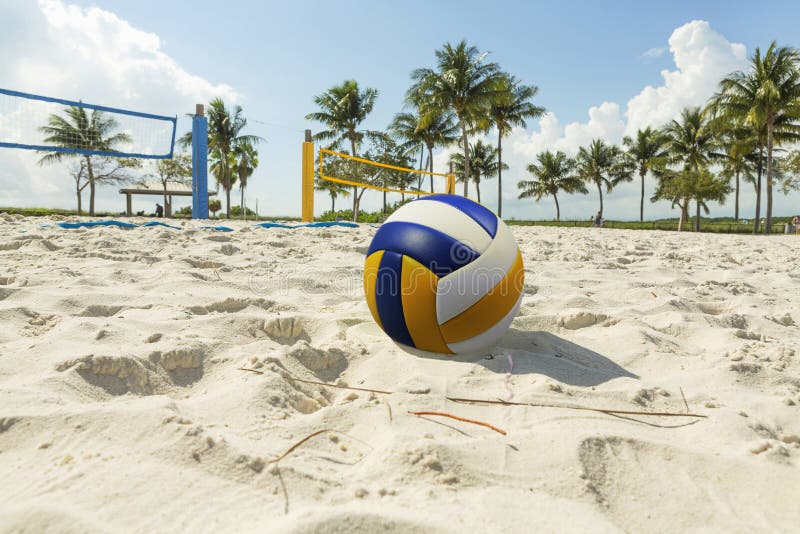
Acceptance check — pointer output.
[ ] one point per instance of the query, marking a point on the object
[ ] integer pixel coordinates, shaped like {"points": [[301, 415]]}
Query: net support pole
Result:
{"points": [[199, 164], [308, 179]]}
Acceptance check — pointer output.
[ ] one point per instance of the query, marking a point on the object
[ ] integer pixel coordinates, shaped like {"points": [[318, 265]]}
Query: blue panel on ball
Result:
{"points": [[388, 298], [478, 213], [437, 251]]}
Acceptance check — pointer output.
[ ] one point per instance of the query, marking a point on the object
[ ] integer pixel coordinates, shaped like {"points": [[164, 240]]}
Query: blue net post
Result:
{"points": [[199, 164]]}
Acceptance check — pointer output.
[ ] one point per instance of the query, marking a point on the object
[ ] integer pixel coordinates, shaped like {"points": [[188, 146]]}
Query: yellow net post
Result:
{"points": [[308, 179]]}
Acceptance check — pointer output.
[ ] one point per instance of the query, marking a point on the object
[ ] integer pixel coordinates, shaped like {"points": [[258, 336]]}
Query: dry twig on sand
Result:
{"points": [[465, 420], [256, 371], [293, 447], [608, 411], [289, 377]]}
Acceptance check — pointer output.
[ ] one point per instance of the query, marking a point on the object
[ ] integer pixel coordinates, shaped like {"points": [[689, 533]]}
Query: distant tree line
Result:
{"points": [[740, 136]]}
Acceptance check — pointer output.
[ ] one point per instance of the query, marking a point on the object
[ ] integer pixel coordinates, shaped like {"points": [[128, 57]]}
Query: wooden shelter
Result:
{"points": [[157, 189]]}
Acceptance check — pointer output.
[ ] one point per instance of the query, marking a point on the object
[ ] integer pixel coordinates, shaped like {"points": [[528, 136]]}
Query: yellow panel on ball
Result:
{"points": [[371, 266], [418, 286]]}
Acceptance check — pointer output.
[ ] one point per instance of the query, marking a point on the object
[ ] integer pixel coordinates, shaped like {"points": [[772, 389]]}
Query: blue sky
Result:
{"points": [[592, 62]]}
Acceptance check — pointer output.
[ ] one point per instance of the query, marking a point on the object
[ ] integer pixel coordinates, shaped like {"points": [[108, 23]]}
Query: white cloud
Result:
{"points": [[62, 50], [654, 52], [702, 57]]}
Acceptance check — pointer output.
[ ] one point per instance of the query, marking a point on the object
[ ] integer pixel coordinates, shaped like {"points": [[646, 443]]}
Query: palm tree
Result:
{"points": [[691, 146], [224, 139], [513, 107], [342, 109], [738, 161], [766, 99], [601, 164], [463, 82], [224, 136], [435, 128], [333, 189], [245, 163], [646, 152], [554, 173], [84, 131], [485, 163]]}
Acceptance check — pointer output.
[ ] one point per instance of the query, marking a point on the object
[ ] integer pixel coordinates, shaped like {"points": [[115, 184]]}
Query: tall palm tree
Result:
{"points": [[765, 98], [601, 164], [737, 164], [463, 82], [645, 152], [513, 107], [224, 138], [245, 163], [554, 173], [692, 146], [434, 128], [342, 109], [84, 130]]}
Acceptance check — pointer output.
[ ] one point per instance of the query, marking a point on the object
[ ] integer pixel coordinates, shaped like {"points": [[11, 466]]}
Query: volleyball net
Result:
{"points": [[348, 170], [55, 125]]}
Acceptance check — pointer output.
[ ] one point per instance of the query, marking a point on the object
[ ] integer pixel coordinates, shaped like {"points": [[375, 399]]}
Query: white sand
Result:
{"points": [[122, 407]]}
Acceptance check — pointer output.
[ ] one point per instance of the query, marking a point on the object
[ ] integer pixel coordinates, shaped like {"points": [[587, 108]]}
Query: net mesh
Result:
{"points": [[347, 170], [54, 125]]}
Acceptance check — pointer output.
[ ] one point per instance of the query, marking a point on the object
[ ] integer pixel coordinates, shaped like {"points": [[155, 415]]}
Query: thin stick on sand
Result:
{"points": [[463, 419], [251, 370], [289, 377], [571, 407], [293, 447], [684, 399], [388, 409]]}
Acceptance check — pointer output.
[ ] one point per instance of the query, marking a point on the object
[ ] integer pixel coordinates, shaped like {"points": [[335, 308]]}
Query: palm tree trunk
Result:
{"points": [[478, 188], [500, 173], [736, 212], [558, 209], [684, 214], [355, 189], [244, 212], [333, 203], [421, 176], [757, 221], [768, 227], [642, 173], [164, 184], [697, 220], [600, 190], [430, 163], [78, 191], [90, 170], [464, 141], [384, 200]]}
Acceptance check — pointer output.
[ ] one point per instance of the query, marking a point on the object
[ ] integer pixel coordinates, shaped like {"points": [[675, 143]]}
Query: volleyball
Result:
{"points": [[444, 274]]}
